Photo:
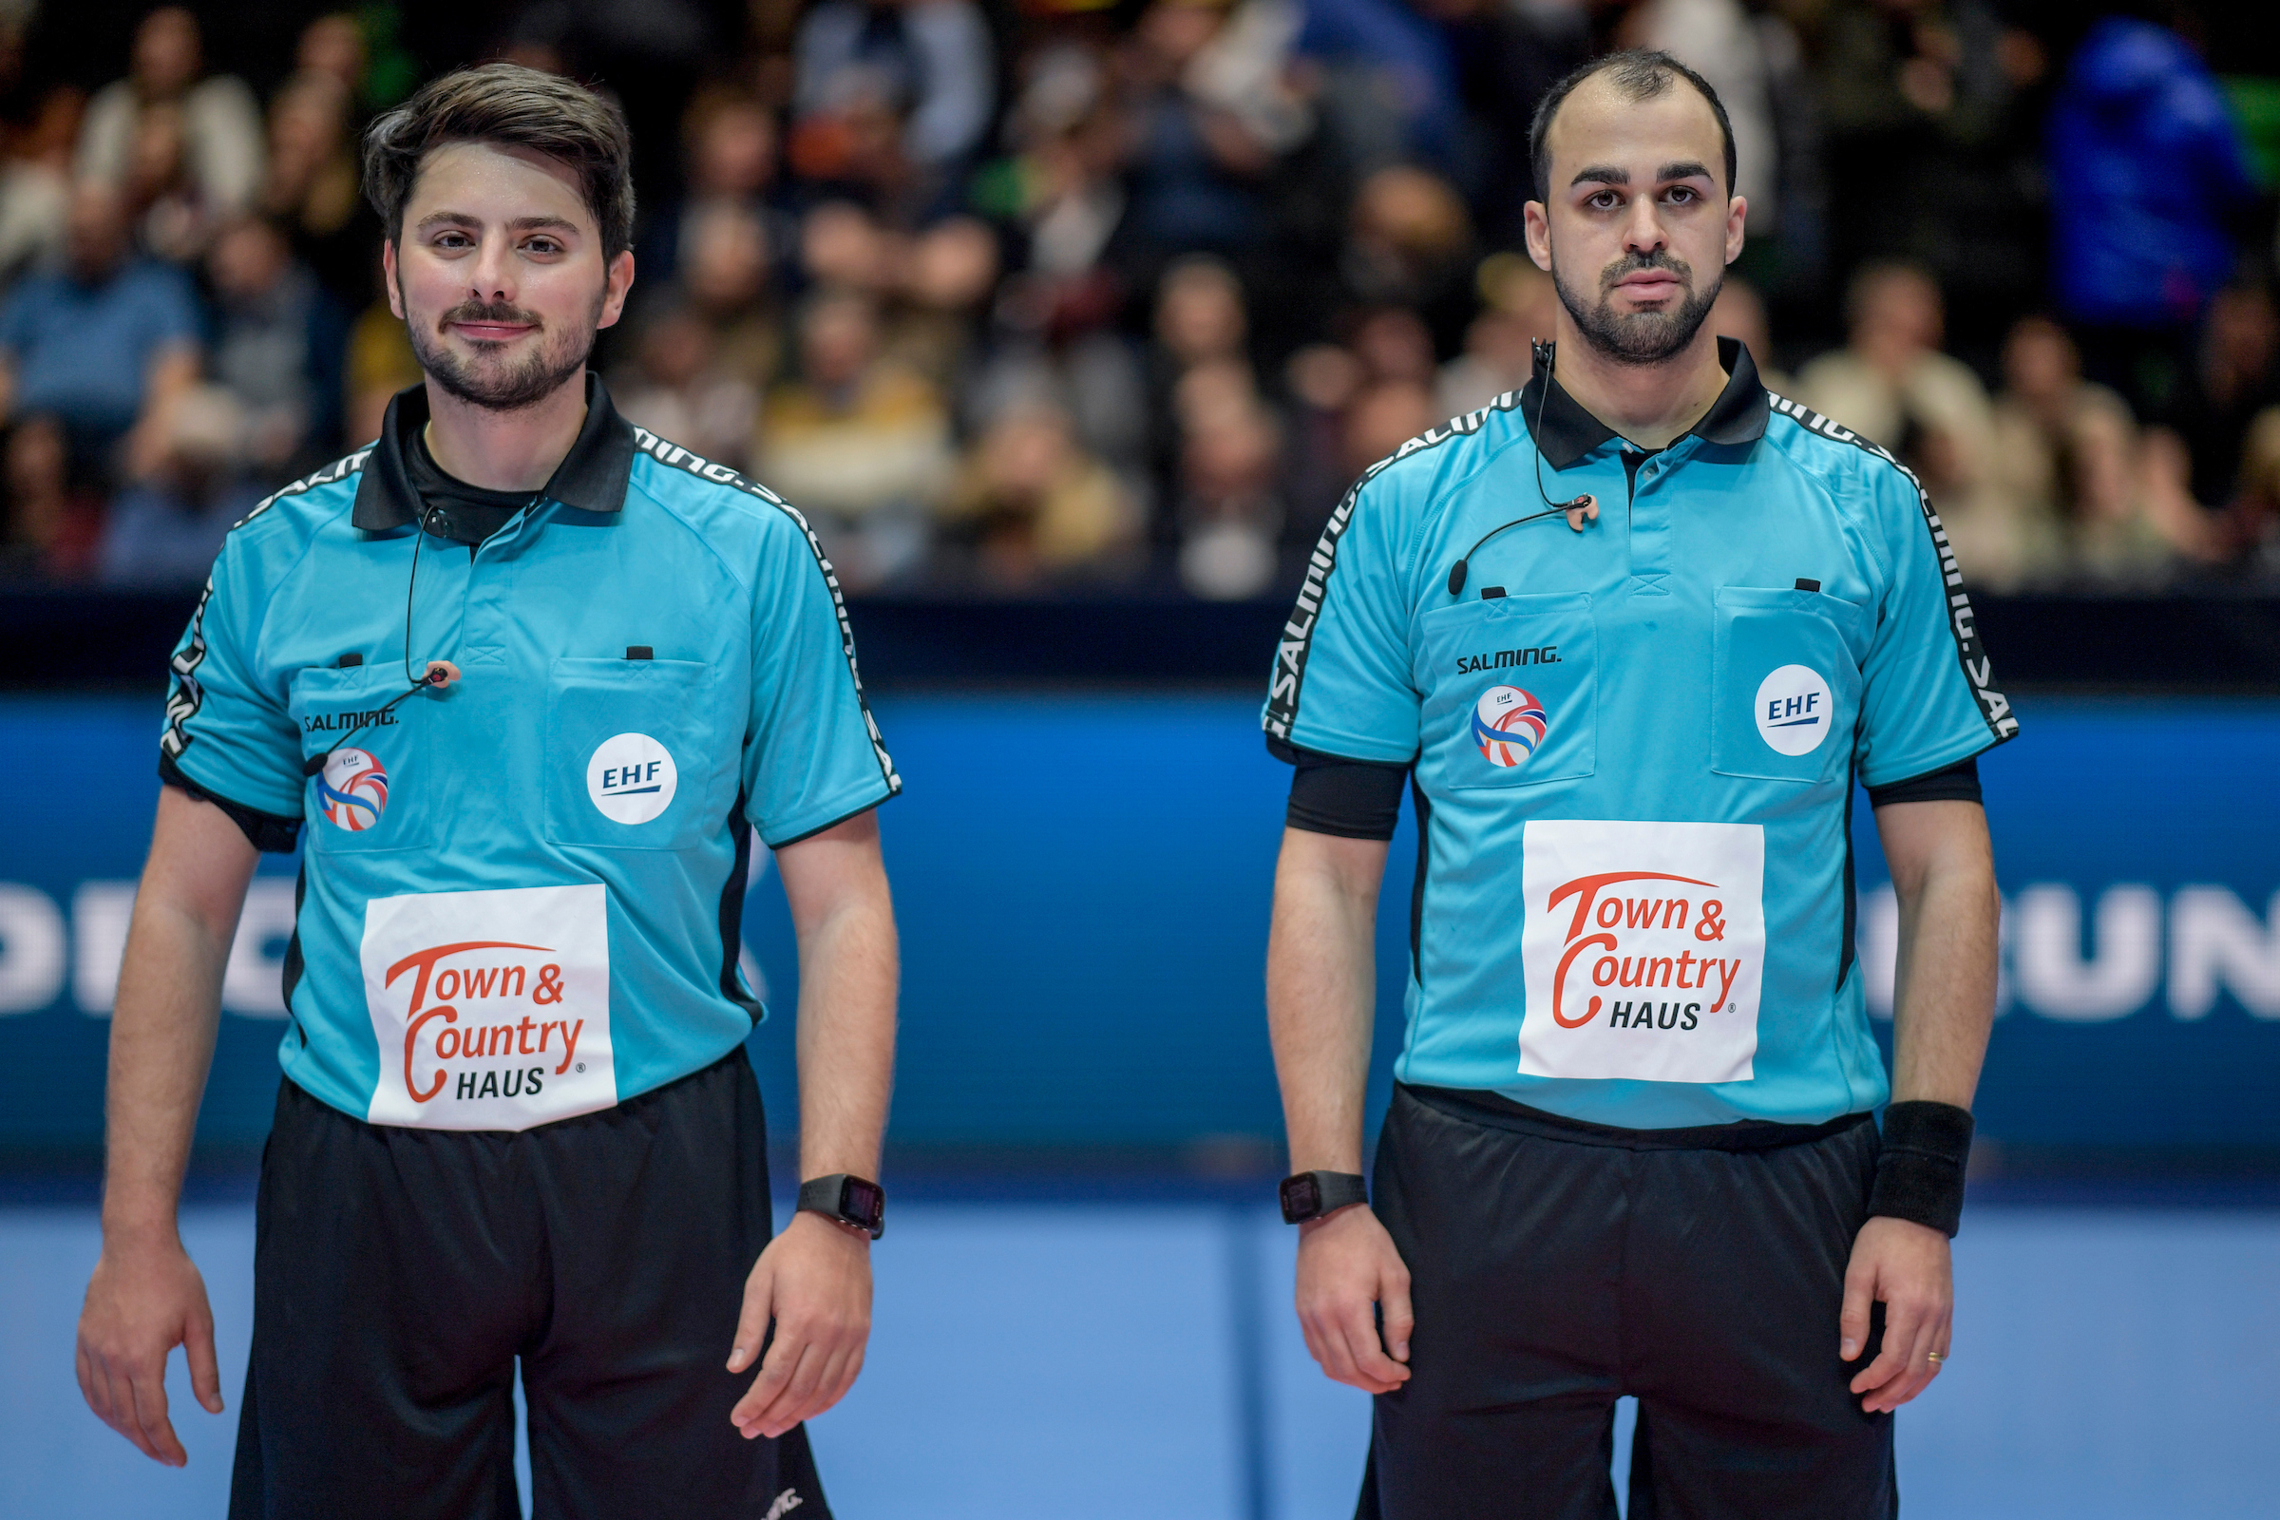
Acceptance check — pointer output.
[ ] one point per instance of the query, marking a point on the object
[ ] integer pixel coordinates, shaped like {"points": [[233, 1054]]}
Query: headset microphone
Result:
{"points": [[1579, 509]]}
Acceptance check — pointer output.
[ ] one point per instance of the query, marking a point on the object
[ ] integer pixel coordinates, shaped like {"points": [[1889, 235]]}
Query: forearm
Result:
{"points": [[848, 975], [1944, 987], [1321, 993], [162, 1042]]}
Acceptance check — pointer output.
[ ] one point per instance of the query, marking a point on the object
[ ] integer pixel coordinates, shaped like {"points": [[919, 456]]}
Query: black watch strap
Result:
{"points": [[1310, 1195], [857, 1202]]}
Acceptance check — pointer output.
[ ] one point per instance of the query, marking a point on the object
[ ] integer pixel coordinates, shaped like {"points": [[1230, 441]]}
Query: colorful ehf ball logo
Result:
{"points": [[353, 789], [1508, 724]]}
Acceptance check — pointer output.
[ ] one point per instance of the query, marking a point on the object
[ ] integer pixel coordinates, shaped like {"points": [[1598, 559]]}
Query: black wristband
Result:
{"points": [[1919, 1176], [1310, 1195]]}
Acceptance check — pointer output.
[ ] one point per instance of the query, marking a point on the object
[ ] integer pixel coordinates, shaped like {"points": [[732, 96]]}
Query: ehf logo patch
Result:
{"points": [[631, 778], [352, 790], [1794, 710], [1508, 724]]}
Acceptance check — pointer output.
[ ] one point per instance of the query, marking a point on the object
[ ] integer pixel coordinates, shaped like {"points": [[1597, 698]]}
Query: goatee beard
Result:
{"points": [[1640, 337], [517, 387]]}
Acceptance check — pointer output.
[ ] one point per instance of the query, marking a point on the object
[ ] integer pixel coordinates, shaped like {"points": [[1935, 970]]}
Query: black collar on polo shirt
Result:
{"points": [[1568, 432], [592, 477]]}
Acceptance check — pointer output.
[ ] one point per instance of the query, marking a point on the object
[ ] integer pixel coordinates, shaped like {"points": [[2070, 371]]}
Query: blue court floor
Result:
{"points": [[1098, 1361]]}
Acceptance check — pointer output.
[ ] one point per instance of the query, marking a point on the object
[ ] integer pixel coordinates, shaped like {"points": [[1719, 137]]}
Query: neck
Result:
{"points": [[505, 451], [1648, 404]]}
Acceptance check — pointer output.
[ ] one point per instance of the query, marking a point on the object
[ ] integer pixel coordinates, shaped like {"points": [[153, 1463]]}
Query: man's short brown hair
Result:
{"points": [[510, 106]]}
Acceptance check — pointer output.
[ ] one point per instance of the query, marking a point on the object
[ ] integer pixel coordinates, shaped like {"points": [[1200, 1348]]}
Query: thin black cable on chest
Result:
{"points": [[437, 673], [1579, 508]]}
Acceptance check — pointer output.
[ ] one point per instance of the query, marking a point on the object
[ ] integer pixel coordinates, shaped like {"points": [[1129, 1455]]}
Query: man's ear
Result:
{"points": [[616, 282], [388, 278], [1537, 222], [1737, 211]]}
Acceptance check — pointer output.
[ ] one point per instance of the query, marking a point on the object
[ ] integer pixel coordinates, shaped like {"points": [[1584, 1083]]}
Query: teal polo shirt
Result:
{"points": [[1633, 748], [521, 894]]}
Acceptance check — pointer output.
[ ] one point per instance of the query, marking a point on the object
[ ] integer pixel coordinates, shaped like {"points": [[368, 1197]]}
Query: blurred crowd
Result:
{"points": [[1068, 294]]}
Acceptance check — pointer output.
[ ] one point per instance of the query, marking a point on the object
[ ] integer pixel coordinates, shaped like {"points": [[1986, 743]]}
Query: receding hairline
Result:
{"points": [[1604, 173]]}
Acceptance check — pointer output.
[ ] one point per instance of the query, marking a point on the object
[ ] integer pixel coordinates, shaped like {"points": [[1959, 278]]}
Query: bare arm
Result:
{"points": [[814, 1280], [1321, 997], [1943, 872], [145, 1296]]}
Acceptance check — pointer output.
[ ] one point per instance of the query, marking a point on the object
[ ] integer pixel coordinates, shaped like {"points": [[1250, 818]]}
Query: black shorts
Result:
{"points": [[1556, 1266], [400, 1273]]}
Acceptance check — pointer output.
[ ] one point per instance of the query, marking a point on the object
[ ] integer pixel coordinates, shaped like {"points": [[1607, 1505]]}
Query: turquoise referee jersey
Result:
{"points": [[521, 894], [1634, 747]]}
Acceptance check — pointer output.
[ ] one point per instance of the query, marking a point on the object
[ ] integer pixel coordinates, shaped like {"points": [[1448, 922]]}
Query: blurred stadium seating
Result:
{"points": [[1132, 292]]}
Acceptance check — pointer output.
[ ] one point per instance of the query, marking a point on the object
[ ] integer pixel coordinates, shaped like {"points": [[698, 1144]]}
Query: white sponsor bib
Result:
{"points": [[492, 1008], [1644, 948]]}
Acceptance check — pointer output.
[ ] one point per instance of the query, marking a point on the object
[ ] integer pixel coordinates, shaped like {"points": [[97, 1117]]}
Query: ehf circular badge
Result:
{"points": [[1508, 724], [353, 790]]}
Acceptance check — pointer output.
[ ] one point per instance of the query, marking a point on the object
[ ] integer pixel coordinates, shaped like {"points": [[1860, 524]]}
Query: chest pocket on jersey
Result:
{"points": [[632, 759], [1786, 684], [1511, 691], [376, 791]]}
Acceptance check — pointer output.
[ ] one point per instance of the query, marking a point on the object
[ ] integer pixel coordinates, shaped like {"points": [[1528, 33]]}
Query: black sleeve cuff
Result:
{"points": [[264, 831], [1919, 1174], [1955, 783], [1352, 799]]}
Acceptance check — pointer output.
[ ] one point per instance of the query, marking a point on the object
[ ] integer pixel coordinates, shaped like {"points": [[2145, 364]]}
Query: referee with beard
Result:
{"points": [[1630, 636]]}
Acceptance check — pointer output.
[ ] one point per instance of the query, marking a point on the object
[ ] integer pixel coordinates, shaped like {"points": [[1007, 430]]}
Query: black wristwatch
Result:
{"points": [[1310, 1195], [857, 1202]]}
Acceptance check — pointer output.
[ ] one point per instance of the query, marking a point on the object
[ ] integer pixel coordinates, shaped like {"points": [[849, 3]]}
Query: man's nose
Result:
{"points": [[494, 271], [1643, 230]]}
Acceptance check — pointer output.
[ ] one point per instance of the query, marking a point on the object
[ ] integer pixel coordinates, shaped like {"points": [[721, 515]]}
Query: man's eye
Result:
{"points": [[1603, 201], [1681, 195], [453, 240], [542, 246]]}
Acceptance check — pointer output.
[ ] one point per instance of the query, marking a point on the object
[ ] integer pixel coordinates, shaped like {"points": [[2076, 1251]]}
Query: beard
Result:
{"points": [[555, 359], [1639, 337]]}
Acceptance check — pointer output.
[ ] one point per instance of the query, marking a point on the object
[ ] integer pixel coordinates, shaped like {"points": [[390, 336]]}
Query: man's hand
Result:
{"points": [[1347, 1266], [1908, 1268], [814, 1281], [143, 1301]]}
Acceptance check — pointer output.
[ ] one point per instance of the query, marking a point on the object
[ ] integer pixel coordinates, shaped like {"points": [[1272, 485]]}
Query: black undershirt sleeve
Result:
{"points": [[1353, 799], [1955, 783], [264, 831]]}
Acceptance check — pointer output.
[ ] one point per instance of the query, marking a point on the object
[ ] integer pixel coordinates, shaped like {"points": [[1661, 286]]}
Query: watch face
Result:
{"points": [[1301, 1196], [863, 1201]]}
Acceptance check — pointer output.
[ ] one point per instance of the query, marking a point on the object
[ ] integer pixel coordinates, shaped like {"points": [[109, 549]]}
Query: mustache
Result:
{"points": [[488, 311], [1633, 263]]}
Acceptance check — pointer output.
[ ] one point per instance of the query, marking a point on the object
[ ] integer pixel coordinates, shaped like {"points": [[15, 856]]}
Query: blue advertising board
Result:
{"points": [[1082, 884]]}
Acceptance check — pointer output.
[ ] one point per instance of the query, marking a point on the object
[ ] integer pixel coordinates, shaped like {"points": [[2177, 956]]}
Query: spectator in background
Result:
{"points": [[2148, 164], [895, 94], [678, 389], [312, 187], [2044, 407], [1918, 101], [2234, 376], [725, 282], [729, 145], [1230, 515], [863, 446], [165, 530], [1739, 313], [1409, 243], [52, 526], [947, 277], [1194, 166], [100, 345], [279, 347], [1202, 323], [35, 186], [1388, 86], [1033, 506], [2249, 532], [186, 147], [2129, 525], [1891, 384], [380, 363]]}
